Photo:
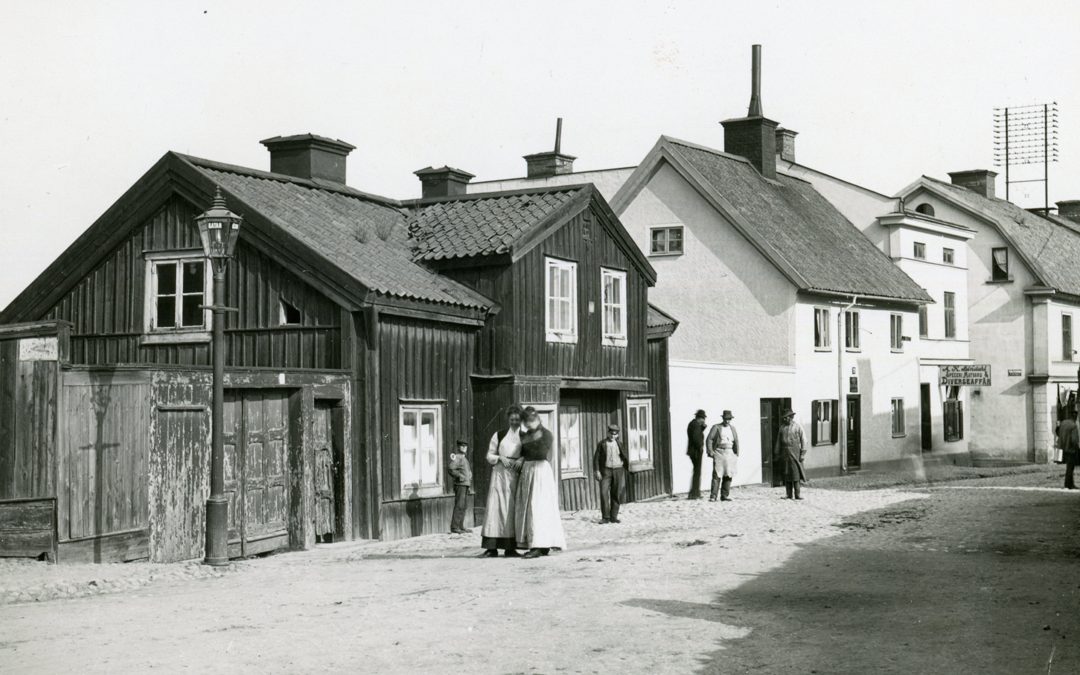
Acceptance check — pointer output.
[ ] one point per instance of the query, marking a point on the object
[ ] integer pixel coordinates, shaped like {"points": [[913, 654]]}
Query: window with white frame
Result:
{"points": [[851, 329], [948, 256], [178, 286], [823, 430], [896, 332], [639, 432], [898, 428], [561, 300], [920, 250], [420, 444], [949, 309], [613, 303], [821, 328], [666, 240], [570, 441]]}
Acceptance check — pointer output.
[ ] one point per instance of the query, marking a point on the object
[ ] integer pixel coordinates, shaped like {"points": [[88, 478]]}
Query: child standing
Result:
{"points": [[462, 473]]}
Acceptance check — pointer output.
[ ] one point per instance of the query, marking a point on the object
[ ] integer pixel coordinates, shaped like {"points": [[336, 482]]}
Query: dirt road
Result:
{"points": [[979, 576]]}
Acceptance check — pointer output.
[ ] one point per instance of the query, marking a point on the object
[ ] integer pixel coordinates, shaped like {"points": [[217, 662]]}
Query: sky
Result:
{"points": [[92, 94]]}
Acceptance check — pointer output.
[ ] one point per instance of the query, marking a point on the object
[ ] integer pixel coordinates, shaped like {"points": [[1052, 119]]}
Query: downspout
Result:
{"points": [[841, 401]]}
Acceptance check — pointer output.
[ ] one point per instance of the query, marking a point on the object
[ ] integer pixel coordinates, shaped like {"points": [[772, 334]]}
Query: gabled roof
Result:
{"points": [[509, 223], [659, 323], [360, 234], [484, 224], [1049, 246], [793, 226]]}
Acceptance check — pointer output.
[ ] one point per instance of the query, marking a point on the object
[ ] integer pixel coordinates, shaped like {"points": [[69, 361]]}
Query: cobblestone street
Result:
{"points": [[975, 575]]}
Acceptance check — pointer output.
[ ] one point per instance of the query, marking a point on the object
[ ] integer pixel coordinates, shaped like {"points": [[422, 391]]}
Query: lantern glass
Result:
{"points": [[219, 229]]}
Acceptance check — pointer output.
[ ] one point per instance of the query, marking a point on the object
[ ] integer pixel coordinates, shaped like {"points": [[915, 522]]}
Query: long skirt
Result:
{"points": [[498, 527], [537, 518]]}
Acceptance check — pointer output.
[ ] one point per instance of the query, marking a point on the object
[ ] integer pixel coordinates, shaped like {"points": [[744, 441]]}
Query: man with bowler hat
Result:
{"points": [[695, 446], [723, 446], [788, 454], [609, 465]]}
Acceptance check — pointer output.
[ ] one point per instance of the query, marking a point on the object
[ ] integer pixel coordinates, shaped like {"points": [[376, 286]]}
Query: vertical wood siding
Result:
{"points": [[107, 306], [421, 360], [598, 409], [28, 399]]}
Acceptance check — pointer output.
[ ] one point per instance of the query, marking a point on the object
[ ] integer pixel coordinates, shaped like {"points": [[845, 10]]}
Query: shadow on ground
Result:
{"points": [[979, 581]]}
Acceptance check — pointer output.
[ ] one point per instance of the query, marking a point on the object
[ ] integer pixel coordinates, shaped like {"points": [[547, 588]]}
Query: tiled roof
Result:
{"points": [[1051, 245], [482, 224], [801, 227], [658, 318], [364, 236]]}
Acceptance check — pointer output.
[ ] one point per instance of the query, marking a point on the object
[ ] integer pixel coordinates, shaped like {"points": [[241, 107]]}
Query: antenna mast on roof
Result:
{"points": [[558, 135], [1027, 135]]}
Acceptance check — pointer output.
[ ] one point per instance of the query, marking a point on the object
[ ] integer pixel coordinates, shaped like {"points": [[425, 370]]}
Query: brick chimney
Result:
{"points": [[1070, 208], [543, 164], [976, 180], [785, 144], [308, 156], [443, 182], [753, 136]]}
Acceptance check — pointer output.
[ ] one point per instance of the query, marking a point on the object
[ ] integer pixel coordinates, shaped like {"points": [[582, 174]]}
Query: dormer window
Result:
{"points": [[925, 209]]}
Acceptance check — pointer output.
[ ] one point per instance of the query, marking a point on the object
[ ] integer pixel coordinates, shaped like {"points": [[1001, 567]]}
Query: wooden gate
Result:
{"points": [[255, 432]]}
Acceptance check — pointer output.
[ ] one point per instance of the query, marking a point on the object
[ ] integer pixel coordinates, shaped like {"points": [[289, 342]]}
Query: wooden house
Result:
{"points": [[371, 334]]}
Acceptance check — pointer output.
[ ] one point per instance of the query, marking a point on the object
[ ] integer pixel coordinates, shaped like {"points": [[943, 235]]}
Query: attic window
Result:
{"points": [[289, 314], [925, 209], [999, 266]]}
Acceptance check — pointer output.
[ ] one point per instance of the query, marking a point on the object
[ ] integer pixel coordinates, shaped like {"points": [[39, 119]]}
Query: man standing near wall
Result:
{"points": [[723, 447], [695, 447], [788, 454], [609, 464]]}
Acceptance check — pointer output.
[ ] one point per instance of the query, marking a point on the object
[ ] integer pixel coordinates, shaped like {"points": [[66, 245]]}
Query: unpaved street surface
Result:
{"points": [[978, 576]]}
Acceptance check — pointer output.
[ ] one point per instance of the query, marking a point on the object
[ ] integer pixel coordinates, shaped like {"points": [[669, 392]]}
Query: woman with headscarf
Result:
{"points": [[504, 456], [538, 524]]}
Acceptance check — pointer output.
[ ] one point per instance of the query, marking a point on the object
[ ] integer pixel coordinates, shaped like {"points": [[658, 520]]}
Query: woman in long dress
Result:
{"points": [[504, 456], [538, 523]]}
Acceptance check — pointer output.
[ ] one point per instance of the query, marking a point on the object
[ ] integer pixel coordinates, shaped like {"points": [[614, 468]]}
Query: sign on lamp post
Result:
{"points": [[219, 229]]}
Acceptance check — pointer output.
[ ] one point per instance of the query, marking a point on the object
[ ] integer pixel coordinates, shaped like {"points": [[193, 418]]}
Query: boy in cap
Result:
{"points": [[609, 464], [462, 473]]}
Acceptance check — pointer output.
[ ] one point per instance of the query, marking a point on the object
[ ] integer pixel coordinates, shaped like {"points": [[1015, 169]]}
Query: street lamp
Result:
{"points": [[218, 228]]}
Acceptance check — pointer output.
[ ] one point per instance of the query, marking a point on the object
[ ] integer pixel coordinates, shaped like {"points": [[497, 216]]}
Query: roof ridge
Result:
{"points": [[497, 194]]}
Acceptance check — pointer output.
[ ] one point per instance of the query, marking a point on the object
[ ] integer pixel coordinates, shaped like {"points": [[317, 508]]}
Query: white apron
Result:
{"points": [[725, 461], [539, 523], [499, 516]]}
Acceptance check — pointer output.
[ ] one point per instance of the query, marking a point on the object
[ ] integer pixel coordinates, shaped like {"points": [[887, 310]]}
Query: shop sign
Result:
{"points": [[975, 375]]}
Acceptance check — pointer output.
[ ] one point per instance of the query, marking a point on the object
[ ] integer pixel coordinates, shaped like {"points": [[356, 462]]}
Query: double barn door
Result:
{"points": [[256, 432]]}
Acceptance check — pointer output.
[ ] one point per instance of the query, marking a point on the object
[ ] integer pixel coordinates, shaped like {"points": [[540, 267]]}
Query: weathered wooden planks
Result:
{"points": [[28, 528], [116, 547], [412, 517]]}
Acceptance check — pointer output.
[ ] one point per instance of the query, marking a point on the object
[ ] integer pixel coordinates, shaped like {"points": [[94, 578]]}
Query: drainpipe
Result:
{"points": [[841, 400]]}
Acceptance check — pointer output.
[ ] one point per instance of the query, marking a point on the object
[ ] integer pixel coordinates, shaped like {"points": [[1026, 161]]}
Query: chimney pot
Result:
{"points": [[785, 144], [443, 182], [1069, 208], [980, 181], [308, 156], [556, 163], [754, 136]]}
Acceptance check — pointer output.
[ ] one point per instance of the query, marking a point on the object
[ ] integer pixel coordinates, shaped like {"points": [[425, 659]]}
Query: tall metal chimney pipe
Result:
{"points": [[558, 135], [755, 76]]}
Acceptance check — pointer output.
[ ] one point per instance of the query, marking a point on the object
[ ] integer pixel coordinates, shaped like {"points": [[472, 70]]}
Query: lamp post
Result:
{"points": [[218, 229]]}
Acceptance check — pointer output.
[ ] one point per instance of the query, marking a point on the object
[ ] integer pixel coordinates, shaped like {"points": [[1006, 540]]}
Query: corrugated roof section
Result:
{"points": [[803, 228], [481, 225], [1051, 244], [365, 238]]}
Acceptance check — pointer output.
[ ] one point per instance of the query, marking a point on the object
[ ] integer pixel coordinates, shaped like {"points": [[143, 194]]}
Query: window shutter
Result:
{"points": [[815, 415], [835, 421]]}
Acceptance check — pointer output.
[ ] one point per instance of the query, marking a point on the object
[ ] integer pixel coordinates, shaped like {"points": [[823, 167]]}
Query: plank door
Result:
{"points": [[854, 432], [323, 435], [926, 422], [232, 410]]}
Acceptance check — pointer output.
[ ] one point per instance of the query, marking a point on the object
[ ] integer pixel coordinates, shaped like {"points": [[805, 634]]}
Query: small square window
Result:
{"points": [[920, 250], [666, 241], [947, 256], [177, 289], [999, 264]]}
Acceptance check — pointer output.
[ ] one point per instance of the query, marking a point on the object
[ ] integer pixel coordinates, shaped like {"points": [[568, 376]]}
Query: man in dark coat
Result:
{"points": [[609, 467], [695, 446], [1069, 442], [788, 454]]}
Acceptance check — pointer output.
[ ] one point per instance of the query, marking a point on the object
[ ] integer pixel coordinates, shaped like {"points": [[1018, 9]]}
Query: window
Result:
{"points": [[925, 209], [570, 440], [851, 330], [950, 315], [420, 443], [924, 319], [177, 289], [896, 332], [920, 250], [288, 314], [639, 433], [613, 301], [1066, 337], [999, 264], [948, 256], [823, 420], [821, 328], [561, 321], [666, 240], [898, 428], [954, 415]]}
